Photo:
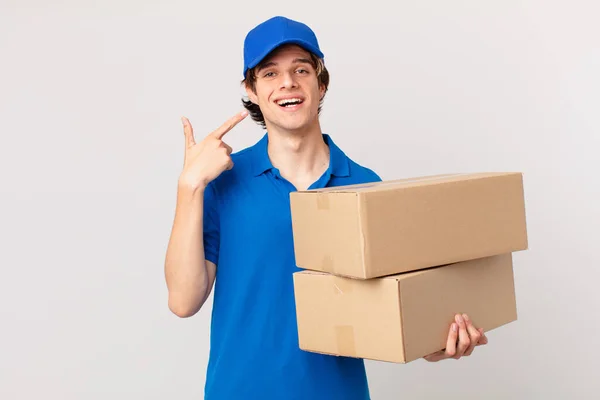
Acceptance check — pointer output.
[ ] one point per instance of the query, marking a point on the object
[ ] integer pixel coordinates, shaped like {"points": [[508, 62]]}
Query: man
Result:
{"points": [[232, 228]]}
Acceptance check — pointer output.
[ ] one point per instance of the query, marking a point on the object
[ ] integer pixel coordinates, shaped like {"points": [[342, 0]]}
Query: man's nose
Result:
{"points": [[288, 80]]}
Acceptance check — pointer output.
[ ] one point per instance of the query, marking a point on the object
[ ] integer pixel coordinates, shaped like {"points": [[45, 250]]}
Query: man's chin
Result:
{"points": [[292, 124]]}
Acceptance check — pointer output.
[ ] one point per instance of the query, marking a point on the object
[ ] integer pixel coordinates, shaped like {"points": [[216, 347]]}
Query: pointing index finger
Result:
{"points": [[229, 124], [188, 132]]}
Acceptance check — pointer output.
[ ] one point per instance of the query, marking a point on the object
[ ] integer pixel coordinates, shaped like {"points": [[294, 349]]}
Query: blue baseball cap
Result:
{"points": [[274, 32]]}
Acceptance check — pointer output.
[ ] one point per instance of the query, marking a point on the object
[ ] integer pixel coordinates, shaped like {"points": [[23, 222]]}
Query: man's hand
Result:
{"points": [[462, 339], [206, 160]]}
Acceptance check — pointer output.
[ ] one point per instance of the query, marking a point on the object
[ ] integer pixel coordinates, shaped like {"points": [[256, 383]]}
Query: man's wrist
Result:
{"points": [[190, 188]]}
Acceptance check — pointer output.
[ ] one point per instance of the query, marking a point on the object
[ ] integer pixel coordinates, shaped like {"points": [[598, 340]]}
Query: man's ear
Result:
{"points": [[322, 90], [251, 95]]}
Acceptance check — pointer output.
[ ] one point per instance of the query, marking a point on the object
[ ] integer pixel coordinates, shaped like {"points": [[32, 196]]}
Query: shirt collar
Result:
{"points": [[338, 161]]}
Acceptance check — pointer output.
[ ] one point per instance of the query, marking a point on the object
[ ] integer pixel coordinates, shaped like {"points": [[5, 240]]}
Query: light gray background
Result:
{"points": [[90, 99]]}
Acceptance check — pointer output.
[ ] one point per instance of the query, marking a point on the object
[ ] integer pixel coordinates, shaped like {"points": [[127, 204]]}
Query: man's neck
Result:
{"points": [[300, 157]]}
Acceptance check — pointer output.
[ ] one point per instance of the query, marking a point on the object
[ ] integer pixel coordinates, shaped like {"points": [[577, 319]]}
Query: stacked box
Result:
{"points": [[387, 265]]}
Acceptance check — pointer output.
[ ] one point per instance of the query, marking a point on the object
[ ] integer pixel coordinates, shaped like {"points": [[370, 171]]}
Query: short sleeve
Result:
{"points": [[211, 224]]}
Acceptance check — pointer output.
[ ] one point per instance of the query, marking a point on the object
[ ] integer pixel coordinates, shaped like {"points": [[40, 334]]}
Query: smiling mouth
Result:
{"points": [[290, 102]]}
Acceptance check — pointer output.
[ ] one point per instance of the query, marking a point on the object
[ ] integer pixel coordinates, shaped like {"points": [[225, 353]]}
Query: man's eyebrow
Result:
{"points": [[301, 61], [265, 65]]}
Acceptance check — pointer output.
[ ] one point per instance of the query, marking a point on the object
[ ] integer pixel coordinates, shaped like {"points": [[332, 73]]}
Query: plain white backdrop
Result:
{"points": [[91, 95]]}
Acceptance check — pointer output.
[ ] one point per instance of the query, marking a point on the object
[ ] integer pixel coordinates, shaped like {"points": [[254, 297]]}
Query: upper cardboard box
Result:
{"points": [[383, 228]]}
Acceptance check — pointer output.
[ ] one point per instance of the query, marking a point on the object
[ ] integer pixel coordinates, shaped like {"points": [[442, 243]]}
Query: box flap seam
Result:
{"points": [[402, 337], [361, 234]]}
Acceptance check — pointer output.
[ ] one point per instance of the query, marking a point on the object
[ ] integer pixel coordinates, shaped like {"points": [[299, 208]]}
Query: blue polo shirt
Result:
{"points": [[254, 351]]}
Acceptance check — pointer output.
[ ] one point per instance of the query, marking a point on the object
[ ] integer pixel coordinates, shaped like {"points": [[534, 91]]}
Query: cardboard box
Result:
{"points": [[403, 317], [385, 228]]}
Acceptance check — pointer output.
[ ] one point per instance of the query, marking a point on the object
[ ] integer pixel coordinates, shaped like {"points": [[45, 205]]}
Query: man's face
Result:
{"points": [[287, 89]]}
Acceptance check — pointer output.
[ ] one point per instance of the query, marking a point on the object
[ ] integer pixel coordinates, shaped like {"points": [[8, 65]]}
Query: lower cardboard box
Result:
{"points": [[403, 317]]}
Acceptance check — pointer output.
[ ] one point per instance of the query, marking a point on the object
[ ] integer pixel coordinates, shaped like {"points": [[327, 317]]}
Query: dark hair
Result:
{"points": [[250, 82]]}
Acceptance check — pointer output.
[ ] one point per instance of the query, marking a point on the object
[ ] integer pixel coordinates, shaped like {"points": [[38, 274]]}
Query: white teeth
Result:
{"points": [[287, 101]]}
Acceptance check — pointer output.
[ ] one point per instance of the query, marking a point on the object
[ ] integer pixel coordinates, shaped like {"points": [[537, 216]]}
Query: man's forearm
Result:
{"points": [[185, 266]]}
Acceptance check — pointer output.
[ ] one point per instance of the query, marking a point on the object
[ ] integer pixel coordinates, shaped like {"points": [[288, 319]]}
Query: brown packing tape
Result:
{"points": [[327, 264], [322, 201], [344, 336]]}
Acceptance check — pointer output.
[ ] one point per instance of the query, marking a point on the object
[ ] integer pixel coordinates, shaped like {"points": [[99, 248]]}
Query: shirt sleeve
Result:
{"points": [[211, 224]]}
